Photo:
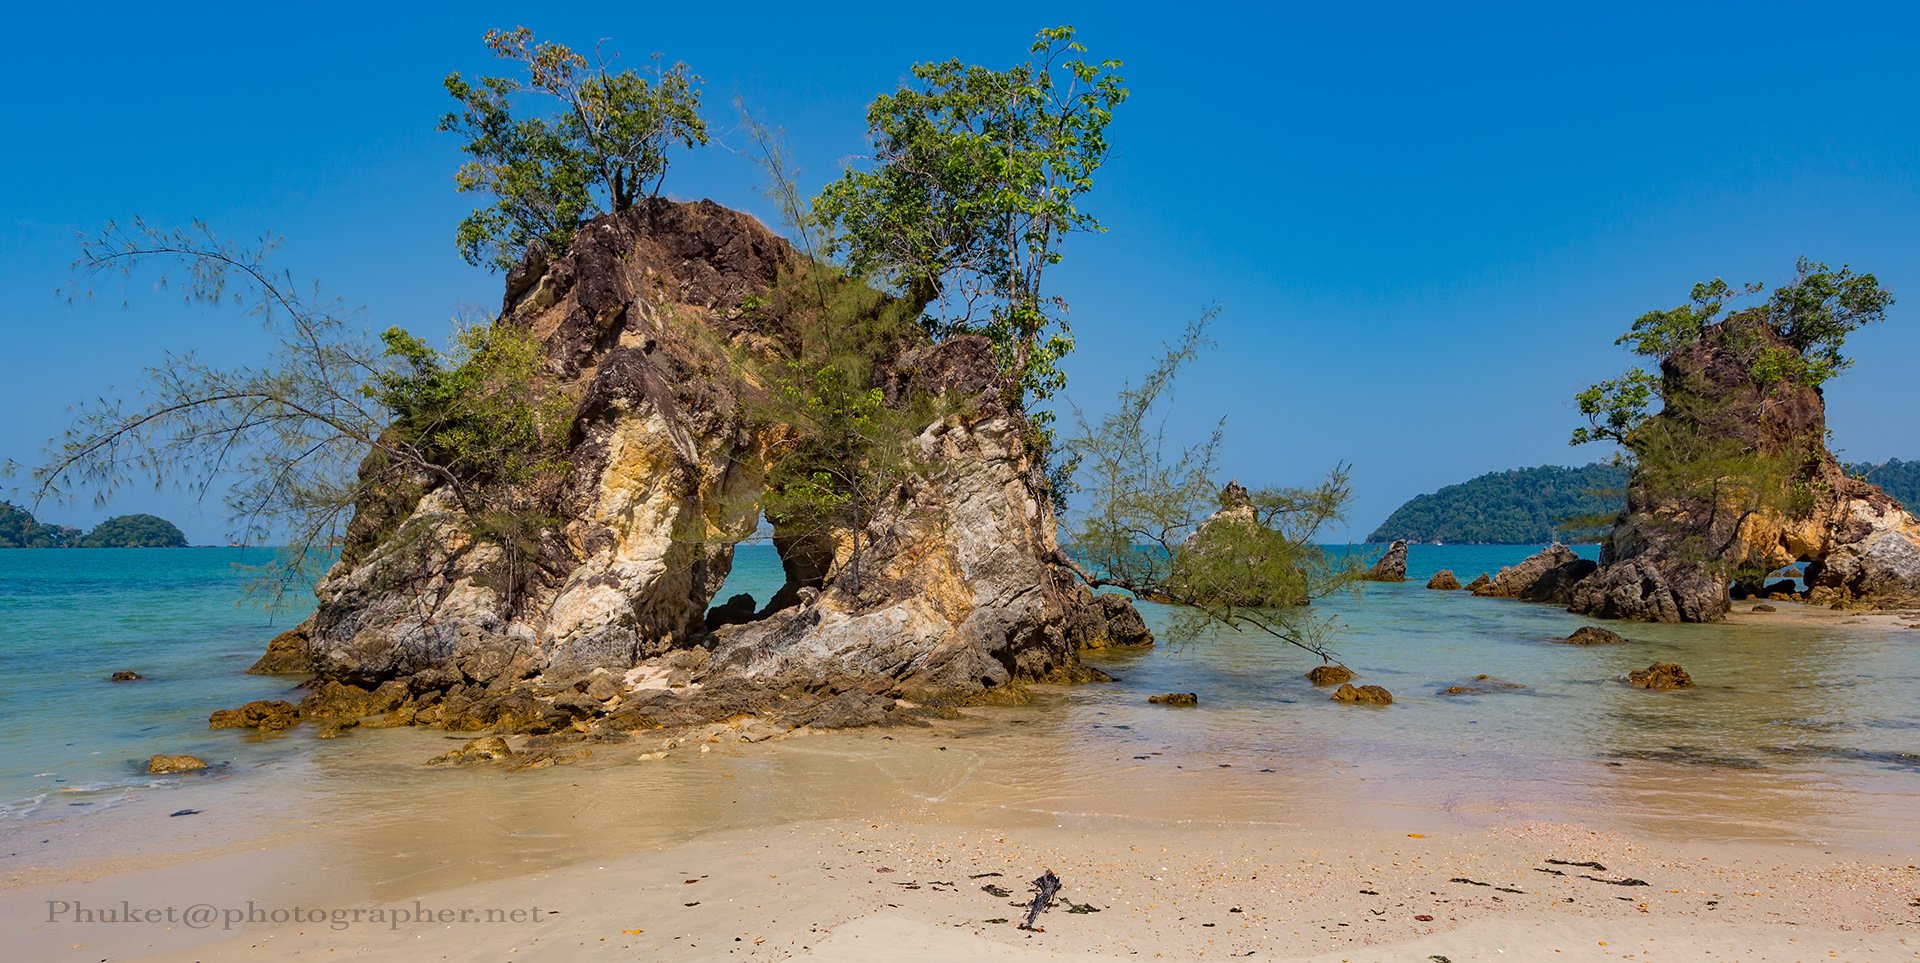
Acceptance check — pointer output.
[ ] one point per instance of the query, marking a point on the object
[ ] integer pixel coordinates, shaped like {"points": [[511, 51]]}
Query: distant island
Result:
{"points": [[1531, 506], [19, 529]]}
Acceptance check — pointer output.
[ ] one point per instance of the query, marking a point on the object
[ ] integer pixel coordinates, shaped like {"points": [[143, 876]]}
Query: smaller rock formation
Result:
{"points": [[1480, 685], [286, 655], [484, 749], [1660, 675], [1330, 674], [266, 715], [1479, 582], [1547, 576], [126, 675], [1392, 567], [1594, 635], [1175, 699], [1764, 607], [180, 763], [1107, 619], [1371, 695], [1443, 581]]}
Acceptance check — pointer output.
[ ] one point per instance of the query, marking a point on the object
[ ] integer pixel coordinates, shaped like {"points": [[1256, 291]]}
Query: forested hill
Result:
{"points": [[1516, 507], [1528, 506], [19, 529]]}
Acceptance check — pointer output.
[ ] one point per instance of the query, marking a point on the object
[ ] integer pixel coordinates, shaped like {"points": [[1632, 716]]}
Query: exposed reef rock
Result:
{"points": [[1443, 581], [1175, 699], [1332, 674], [266, 715], [1660, 675], [1546, 576], [1479, 582], [1371, 695], [1595, 635], [1392, 567], [286, 655], [177, 763], [610, 622]]}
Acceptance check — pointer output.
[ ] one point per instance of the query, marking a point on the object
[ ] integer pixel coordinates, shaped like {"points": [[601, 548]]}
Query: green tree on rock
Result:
{"points": [[603, 150]]}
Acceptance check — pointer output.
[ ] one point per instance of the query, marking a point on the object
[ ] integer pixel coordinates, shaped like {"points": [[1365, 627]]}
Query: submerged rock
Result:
{"points": [[1364, 695], [1480, 685], [126, 675], [179, 763], [1595, 635], [1332, 674], [1175, 699], [1443, 581], [1660, 675], [1392, 566], [1764, 607], [266, 715]]}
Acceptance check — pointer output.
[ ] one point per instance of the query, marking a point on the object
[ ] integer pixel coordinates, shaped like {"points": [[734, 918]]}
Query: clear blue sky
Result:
{"points": [[1425, 225]]}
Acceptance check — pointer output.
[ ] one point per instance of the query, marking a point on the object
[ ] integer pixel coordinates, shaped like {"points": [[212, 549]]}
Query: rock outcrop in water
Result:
{"points": [[1392, 566], [641, 322], [1546, 576], [1671, 556]]}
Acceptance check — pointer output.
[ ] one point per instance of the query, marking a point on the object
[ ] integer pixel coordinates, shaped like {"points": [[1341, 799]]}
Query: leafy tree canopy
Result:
{"points": [[602, 148], [19, 529], [976, 178]]}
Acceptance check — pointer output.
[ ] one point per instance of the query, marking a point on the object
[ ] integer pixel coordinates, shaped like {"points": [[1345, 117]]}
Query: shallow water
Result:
{"points": [[1800, 729]]}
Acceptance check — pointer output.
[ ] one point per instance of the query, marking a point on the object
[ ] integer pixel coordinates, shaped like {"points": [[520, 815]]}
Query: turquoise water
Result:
{"points": [[1799, 727]]}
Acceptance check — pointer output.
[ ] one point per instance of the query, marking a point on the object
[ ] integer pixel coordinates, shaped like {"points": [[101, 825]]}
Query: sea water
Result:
{"points": [[1800, 726]]}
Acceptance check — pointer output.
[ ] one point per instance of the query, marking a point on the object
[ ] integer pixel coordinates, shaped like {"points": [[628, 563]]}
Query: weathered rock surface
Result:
{"points": [[1392, 566], [1175, 699], [126, 675], [482, 750], [286, 655], [1479, 582], [1595, 635], [1108, 619], [1672, 555], [1546, 576], [1363, 695], [266, 715], [176, 763], [1764, 608], [1443, 581], [1660, 675], [643, 322], [1331, 674]]}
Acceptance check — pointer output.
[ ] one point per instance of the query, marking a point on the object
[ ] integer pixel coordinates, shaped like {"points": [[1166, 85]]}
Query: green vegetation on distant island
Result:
{"points": [[1529, 506], [1522, 506], [19, 529]]}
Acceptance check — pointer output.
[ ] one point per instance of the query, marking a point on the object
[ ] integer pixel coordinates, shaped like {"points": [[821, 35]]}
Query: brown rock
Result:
{"points": [[180, 763], [1764, 607], [1332, 674], [1594, 635], [266, 715], [1660, 675], [484, 749], [126, 675], [1443, 581], [1479, 583], [1547, 576], [1392, 566], [286, 655], [1175, 699], [1363, 695], [1480, 685]]}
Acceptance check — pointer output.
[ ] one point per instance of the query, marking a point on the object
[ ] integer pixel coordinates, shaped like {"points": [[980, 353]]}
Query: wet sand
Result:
{"points": [[1283, 829]]}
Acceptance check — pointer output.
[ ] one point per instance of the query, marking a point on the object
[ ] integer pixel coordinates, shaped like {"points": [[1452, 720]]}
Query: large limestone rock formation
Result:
{"points": [[642, 322], [1670, 557], [1549, 575], [1392, 566]]}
